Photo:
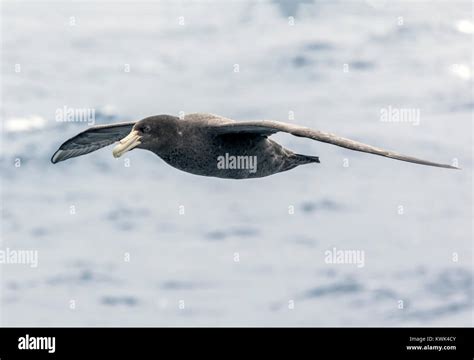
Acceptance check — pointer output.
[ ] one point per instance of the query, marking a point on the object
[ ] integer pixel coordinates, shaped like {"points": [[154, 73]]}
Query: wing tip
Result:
{"points": [[446, 166], [55, 158]]}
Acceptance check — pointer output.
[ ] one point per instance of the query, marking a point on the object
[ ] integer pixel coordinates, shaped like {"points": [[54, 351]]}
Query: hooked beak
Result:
{"points": [[129, 142]]}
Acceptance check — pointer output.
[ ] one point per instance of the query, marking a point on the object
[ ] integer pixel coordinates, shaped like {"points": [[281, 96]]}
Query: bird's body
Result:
{"points": [[235, 156], [211, 145]]}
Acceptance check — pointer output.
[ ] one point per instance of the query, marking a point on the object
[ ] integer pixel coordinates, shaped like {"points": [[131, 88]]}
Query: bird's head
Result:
{"points": [[149, 133]]}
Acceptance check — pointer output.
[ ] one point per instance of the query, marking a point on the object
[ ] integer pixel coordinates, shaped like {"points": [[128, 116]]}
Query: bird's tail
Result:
{"points": [[305, 159]]}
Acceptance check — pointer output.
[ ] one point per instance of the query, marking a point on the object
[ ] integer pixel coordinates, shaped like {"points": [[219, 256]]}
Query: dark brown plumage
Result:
{"points": [[211, 145]]}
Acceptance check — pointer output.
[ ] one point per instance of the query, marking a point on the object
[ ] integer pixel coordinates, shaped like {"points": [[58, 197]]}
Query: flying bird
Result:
{"points": [[212, 145]]}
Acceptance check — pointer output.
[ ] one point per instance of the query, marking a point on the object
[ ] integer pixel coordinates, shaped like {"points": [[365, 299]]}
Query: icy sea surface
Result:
{"points": [[134, 242]]}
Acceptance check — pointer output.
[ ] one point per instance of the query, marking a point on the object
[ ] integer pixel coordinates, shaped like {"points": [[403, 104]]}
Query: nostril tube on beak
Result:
{"points": [[129, 142]]}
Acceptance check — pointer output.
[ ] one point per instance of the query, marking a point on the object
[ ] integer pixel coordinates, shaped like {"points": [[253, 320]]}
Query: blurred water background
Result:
{"points": [[113, 248]]}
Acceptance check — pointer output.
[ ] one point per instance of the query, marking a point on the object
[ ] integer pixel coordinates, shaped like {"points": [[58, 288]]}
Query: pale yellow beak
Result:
{"points": [[129, 142]]}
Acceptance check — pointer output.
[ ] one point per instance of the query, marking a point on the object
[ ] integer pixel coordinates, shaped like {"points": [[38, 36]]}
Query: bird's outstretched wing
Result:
{"points": [[269, 127], [91, 140]]}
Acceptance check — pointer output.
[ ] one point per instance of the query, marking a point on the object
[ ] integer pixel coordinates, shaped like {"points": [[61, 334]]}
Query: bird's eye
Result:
{"points": [[146, 129]]}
